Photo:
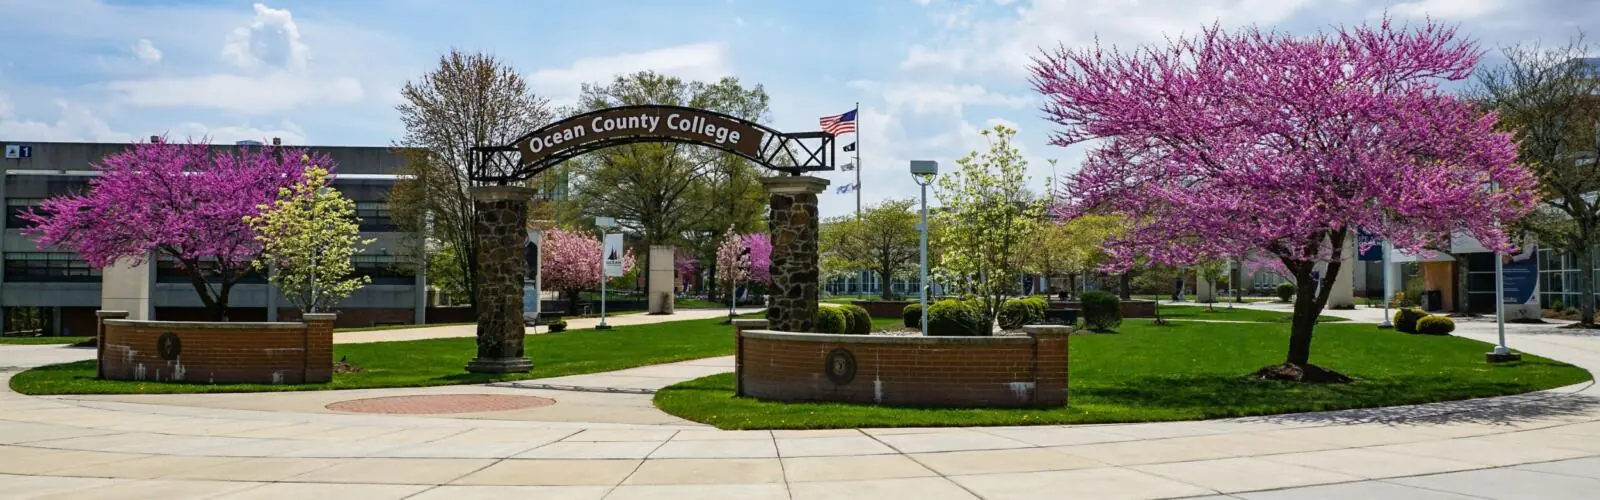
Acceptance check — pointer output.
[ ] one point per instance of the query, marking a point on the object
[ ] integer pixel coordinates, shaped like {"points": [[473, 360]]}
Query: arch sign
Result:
{"points": [[535, 151]]}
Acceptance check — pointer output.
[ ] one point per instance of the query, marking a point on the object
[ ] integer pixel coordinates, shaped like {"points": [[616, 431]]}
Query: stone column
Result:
{"points": [[502, 224], [1342, 296], [1204, 290], [319, 347], [793, 222], [663, 281]]}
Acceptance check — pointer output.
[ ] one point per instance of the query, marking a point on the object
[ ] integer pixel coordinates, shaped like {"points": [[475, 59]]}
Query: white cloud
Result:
{"points": [[929, 98], [700, 61], [1445, 9], [271, 39], [286, 130], [269, 93], [146, 51], [918, 56], [75, 122]]}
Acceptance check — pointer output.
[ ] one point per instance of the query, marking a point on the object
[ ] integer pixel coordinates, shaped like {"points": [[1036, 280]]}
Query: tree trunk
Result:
{"points": [[1305, 317], [215, 310], [1127, 286], [1585, 284]]}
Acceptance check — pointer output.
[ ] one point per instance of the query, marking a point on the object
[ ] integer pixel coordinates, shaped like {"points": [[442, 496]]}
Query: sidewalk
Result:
{"points": [[455, 331]]}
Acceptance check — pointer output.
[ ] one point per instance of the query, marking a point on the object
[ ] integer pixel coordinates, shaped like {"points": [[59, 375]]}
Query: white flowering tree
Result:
{"points": [[309, 235]]}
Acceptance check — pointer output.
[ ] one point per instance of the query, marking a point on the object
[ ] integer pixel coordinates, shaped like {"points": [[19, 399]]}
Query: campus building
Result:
{"points": [[56, 291]]}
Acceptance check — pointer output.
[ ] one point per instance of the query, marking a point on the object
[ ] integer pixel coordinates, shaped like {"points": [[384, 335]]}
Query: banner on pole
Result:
{"points": [[1521, 275], [612, 253]]}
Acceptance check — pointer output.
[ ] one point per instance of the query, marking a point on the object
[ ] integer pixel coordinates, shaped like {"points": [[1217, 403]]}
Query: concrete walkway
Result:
{"points": [[1542, 445], [453, 331]]}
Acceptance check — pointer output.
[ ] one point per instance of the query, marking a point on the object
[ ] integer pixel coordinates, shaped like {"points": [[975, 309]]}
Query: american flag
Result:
{"points": [[840, 124]]}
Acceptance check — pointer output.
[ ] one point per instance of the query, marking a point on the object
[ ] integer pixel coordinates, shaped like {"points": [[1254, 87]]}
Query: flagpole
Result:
{"points": [[858, 159]]}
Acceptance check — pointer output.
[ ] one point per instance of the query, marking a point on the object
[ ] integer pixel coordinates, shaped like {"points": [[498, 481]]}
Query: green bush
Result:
{"points": [[1285, 291], [859, 321], [954, 318], [1102, 311], [1405, 320], [829, 320], [912, 315], [1436, 325], [1015, 313]]}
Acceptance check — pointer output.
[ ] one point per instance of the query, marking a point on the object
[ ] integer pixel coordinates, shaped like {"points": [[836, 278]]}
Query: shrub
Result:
{"points": [[1405, 320], [954, 318], [1102, 311], [1285, 291], [1015, 313], [557, 325], [1435, 325], [859, 321], [829, 320], [912, 315]]}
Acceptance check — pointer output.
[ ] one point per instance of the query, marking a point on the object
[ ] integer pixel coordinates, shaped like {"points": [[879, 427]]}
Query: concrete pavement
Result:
{"points": [[1543, 445]]}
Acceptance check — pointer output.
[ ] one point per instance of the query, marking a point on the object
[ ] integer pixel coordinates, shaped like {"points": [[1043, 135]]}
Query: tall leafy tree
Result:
{"points": [[468, 100], [1069, 247], [180, 200], [1549, 98], [1287, 145], [988, 214], [308, 236], [883, 239]]}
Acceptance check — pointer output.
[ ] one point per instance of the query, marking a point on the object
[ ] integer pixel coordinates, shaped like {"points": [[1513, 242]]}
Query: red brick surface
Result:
{"points": [[1033, 373], [219, 355]]}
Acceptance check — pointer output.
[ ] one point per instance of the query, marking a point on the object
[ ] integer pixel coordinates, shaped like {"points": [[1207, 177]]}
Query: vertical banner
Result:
{"points": [[1521, 275], [1374, 249], [611, 252], [530, 280]]}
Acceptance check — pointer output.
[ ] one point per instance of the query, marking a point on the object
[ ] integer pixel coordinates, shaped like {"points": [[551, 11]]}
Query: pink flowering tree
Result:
{"points": [[183, 201], [572, 264], [733, 261], [1284, 145], [686, 265], [760, 245]]}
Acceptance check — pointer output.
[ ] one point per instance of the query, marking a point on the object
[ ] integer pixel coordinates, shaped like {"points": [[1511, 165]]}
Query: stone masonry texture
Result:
{"points": [[502, 228]]}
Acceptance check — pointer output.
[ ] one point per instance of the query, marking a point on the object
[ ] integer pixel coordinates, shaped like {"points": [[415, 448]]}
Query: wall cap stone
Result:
{"points": [[502, 193], [750, 324], [110, 314], [885, 339], [319, 316], [1047, 329], [794, 184], [209, 325]]}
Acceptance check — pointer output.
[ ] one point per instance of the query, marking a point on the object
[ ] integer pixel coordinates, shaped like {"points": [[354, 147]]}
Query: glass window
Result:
{"points": [[168, 271], [15, 207], [374, 216], [48, 267], [384, 269]]}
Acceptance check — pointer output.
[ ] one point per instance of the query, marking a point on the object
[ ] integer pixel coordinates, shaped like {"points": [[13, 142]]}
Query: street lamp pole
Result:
{"points": [[603, 223], [923, 172]]}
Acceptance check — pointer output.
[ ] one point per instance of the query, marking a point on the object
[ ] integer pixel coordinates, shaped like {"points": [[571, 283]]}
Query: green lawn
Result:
{"points": [[420, 363], [1222, 313], [1186, 371], [41, 340]]}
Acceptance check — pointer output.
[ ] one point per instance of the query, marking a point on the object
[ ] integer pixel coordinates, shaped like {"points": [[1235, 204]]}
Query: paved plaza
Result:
{"points": [[600, 441]]}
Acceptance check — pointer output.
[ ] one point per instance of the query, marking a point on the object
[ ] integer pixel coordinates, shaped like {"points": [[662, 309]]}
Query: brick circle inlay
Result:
{"points": [[440, 403]]}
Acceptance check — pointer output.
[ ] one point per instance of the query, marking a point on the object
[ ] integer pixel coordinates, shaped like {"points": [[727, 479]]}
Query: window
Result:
{"points": [[374, 216], [1558, 275], [15, 207], [384, 269], [168, 271], [49, 266]]}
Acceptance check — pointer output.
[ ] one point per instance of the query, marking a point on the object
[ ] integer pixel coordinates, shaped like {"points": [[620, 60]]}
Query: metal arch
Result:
{"points": [[792, 153]]}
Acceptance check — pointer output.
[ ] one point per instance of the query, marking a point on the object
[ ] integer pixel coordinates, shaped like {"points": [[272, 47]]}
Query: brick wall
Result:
{"points": [[263, 353], [907, 371]]}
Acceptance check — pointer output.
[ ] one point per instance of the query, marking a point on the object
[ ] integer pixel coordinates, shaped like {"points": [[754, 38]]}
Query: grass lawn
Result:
{"points": [[41, 340], [1186, 371], [380, 328], [419, 363], [1221, 312]]}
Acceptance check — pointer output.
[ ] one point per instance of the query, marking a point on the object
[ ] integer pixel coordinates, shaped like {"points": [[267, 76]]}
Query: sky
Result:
{"points": [[929, 74]]}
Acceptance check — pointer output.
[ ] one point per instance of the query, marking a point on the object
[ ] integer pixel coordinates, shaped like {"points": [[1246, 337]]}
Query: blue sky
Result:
{"points": [[929, 74]]}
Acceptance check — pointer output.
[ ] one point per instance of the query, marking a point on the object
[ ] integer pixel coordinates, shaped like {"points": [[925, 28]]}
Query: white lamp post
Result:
{"points": [[923, 172], [603, 223]]}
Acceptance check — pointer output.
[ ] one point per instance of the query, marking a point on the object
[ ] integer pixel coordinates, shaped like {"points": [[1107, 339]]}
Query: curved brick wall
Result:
{"points": [[213, 352], [906, 371]]}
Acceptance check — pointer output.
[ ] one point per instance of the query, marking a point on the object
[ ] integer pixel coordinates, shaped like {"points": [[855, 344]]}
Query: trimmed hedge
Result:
{"points": [[829, 320], [1102, 311], [956, 318], [1015, 313], [1405, 320], [912, 315], [1285, 291], [858, 321], [1436, 325]]}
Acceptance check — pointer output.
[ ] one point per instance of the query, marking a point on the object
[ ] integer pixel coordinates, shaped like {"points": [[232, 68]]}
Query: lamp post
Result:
{"points": [[1387, 293], [923, 172], [1501, 353], [603, 223]]}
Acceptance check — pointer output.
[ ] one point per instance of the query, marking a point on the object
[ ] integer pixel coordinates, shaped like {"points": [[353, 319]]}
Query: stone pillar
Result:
{"points": [[502, 224], [793, 222], [126, 287], [663, 282], [100, 337], [739, 327], [1342, 296], [319, 347], [1204, 290]]}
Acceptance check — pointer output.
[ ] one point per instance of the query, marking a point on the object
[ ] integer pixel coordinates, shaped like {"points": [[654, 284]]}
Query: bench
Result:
{"points": [[1062, 316]]}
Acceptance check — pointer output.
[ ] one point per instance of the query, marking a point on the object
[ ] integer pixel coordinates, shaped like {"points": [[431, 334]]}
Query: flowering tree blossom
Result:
{"points": [[686, 266], [572, 263], [183, 201], [733, 261], [1284, 145], [310, 234], [760, 245]]}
